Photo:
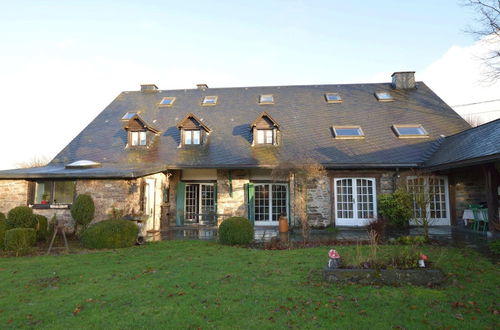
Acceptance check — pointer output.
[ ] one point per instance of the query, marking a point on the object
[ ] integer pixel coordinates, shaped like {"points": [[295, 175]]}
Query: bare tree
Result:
{"points": [[302, 174], [488, 29], [35, 161], [474, 120]]}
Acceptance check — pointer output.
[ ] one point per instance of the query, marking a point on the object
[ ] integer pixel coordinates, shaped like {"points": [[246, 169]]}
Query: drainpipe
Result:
{"points": [[230, 177]]}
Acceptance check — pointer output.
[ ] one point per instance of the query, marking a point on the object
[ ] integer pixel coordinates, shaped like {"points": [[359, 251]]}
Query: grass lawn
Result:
{"points": [[196, 284]]}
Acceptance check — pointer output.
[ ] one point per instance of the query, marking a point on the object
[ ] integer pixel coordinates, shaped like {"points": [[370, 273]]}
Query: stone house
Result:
{"points": [[196, 156]]}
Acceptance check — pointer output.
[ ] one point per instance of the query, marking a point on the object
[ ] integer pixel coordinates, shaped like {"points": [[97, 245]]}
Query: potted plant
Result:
{"points": [[45, 197]]}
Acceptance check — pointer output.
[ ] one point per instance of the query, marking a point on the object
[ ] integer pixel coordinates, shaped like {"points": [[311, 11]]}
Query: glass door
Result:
{"points": [[355, 201], [271, 200], [199, 202]]}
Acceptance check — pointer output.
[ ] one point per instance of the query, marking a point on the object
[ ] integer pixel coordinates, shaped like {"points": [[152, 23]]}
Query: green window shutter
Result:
{"points": [[181, 194], [289, 201], [251, 201], [215, 198]]}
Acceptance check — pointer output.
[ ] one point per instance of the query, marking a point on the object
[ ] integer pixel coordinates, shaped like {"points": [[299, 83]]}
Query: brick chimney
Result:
{"points": [[202, 86], [149, 88], [403, 80]]}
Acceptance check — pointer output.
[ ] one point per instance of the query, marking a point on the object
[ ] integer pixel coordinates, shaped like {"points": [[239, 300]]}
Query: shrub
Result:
{"points": [[42, 228], [21, 217], [83, 210], [2, 216], [110, 234], [236, 231], [2, 231], [409, 240], [20, 240], [396, 207], [495, 246]]}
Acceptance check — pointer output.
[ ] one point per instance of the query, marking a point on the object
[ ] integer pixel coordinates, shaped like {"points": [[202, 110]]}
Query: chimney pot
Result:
{"points": [[149, 88], [403, 80], [202, 86]]}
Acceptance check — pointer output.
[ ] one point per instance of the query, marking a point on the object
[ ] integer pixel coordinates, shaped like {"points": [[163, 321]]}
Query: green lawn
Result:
{"points": [[196, 284]]}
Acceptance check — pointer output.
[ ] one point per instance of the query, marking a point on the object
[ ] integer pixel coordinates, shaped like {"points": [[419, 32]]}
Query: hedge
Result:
{"points": [[20, 240], [110, 234], [236, 231]]}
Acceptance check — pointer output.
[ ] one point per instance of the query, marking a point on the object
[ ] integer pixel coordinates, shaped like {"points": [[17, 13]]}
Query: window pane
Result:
{"points": [[135, 138], [142, 138], [196, 137], [348, 131], [260, 136], [269, 136], [187, 137], [64, 192], [411, 131], [43, 192]]}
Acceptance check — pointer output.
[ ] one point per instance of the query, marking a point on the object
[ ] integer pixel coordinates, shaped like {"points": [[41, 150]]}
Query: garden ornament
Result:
{"points": [[334, 261]]}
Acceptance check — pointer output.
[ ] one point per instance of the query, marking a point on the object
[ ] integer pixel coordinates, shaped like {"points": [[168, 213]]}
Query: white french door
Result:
{"points": [[271, 200], [199, 201], [355, 201], [435, 190]]}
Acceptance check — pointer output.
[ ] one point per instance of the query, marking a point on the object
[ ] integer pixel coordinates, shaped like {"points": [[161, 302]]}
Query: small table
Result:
{"points": [[469, 215]]}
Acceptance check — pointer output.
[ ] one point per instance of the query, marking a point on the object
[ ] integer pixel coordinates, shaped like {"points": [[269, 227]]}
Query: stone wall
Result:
{"points": [[319, 203], [234, 205], [108, 194], [12, 193]]}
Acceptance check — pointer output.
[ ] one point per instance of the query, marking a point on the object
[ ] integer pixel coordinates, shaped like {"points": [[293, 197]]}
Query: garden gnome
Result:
{"points": [[334, 261]]}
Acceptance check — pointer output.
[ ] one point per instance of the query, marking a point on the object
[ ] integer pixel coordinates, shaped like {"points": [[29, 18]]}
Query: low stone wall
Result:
{"points": [[424, 277], [13, 193]]}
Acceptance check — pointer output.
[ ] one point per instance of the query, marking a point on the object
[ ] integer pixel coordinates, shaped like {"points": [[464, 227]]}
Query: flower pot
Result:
{"points": [[283, 224]]}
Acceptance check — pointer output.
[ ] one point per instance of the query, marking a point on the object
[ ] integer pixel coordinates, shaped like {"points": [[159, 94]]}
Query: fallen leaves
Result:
{"points": [[77, 310]]}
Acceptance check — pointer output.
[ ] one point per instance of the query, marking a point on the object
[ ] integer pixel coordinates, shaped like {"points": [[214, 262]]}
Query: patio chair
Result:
{"points": [[480, 219]]}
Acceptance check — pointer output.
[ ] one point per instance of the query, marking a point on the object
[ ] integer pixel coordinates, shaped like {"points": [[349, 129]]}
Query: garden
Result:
{"points": [[235, 282]]}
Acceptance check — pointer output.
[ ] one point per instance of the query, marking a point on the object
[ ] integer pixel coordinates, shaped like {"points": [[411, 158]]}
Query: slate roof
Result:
{"points": [[305, 120], [475, 145]]}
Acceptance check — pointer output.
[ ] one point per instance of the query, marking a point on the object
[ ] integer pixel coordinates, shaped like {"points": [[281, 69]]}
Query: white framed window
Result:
{"points": [[271, 201], [192, 137], [265, 136], [435, 193], [138, 138], [355, 201]]}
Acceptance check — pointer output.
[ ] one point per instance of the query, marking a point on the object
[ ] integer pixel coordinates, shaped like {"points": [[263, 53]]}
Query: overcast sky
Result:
{"points": [[62, 62]]}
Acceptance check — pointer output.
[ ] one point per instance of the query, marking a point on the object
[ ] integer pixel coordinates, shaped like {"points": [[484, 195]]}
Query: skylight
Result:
{"points": [[410, 131], [384, 96], [209, 100], [348, 132], [333, 98], [129, 115], [81, 164], [266, 99], [167, 101]]}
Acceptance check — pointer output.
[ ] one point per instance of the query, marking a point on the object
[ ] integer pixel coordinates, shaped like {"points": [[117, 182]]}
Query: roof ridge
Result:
{"points": [[472, 128], [433, 148]]}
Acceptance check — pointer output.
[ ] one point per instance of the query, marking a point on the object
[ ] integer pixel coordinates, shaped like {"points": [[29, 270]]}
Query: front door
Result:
{"points": [[355, 201], [149, 203], [271, 200], [199, 202]]}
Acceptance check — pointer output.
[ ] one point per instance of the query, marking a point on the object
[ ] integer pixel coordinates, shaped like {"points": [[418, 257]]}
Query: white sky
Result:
{"points": [[61, 64]]}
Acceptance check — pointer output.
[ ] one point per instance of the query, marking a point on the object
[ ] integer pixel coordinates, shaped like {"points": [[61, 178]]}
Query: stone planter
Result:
{"points": [[385, 276]]}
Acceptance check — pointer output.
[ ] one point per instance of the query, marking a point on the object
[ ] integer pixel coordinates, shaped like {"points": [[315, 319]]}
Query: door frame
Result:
{"points": [[270, 222], [199, 199], [355, 221], [434, 221], [150, 200]]}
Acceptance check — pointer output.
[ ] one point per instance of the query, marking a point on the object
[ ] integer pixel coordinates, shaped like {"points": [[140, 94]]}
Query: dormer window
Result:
{"points": [[265, 136], [209, 100], [167, 101], [265, 130], [384, 96], [192, 131], [266, 99], [192, 136], [140, 134]]}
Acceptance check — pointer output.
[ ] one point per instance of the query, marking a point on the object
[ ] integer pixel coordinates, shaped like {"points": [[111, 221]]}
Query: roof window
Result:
{"points": [[167, 101], [410, 131], [266, 99], [384, 96], [348, 132], [129, 115], [333, 98], [210, 100]]}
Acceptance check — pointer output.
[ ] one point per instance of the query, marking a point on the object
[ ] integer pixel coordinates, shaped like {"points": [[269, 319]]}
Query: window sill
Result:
{"points": [[50, 206]]}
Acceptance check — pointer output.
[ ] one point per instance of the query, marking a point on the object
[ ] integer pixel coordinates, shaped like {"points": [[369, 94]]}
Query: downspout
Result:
{"points": [[230, 177]]}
